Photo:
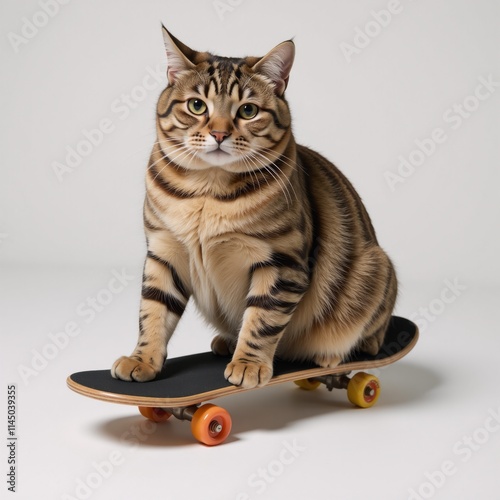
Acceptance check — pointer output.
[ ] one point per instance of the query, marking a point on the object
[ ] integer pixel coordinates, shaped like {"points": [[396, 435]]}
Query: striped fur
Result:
{"points": [[269, 238]]}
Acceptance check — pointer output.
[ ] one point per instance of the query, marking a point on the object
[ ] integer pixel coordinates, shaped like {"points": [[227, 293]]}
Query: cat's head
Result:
{"points": [[224, 112]]}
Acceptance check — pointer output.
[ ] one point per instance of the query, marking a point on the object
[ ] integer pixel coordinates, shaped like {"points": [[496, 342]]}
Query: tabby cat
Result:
{"points": [[269, 238]]}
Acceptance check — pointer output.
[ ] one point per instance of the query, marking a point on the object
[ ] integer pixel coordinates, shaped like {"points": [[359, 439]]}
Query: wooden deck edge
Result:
{"points": [[226, 391]]}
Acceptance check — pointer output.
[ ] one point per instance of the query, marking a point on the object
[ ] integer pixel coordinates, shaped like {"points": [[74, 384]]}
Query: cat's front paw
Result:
{"points": [[130, 369], [248, 374]]}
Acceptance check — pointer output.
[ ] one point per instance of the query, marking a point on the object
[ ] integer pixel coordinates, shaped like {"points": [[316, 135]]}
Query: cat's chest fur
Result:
{"points": [[219, 254]]}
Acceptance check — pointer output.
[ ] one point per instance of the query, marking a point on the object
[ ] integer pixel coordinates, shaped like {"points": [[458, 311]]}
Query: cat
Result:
{"points": [[269, 238]]}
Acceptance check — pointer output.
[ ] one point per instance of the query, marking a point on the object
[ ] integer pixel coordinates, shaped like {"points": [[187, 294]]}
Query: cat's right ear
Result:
{"points": [[179, 56]]}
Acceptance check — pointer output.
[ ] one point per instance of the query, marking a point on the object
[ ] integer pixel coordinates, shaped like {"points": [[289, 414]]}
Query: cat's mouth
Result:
{"points": [[219, 154], [219, 150], [218, 157]]}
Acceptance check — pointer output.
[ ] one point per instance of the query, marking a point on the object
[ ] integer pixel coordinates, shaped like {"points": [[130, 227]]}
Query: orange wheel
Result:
{"points": [[211, 424], [154, 414]]}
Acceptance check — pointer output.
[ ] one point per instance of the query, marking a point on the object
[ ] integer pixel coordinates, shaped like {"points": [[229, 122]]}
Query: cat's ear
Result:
{"points": [[179, 56], [277, 65]]}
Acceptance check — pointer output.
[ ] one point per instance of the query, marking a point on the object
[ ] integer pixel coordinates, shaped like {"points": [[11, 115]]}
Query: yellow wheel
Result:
{"points": [[154, 414], [211, 424], [363, 390], [307, 384]]}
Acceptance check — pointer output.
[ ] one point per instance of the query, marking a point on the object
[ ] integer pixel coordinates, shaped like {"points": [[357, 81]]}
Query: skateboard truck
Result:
{"points": [[337, 381], [183, 412], [215, 426]]}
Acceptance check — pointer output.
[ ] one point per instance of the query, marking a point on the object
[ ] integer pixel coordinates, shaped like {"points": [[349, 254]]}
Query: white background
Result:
{"points": [[62, 238]]}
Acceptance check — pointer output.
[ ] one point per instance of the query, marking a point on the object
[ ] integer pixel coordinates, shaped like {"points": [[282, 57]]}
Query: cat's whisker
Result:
{"points": [[256, 164], [248, 167], [289, 161], [275, 176], [286, 192], [166, 155], [291, 165], [250, 171], [163, 157], [163, 149], [287, 178], [183, 154], [193, 155]]}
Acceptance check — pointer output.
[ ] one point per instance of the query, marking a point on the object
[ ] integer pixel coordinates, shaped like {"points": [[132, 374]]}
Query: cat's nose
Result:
{"points": [[218, 135]]}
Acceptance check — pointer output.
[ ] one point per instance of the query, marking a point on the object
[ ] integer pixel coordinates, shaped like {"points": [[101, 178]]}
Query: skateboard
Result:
{"points": [[188, 381]]}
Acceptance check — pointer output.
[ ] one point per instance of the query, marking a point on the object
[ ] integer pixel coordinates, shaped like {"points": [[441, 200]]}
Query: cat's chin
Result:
{"points": [[219, 158]]}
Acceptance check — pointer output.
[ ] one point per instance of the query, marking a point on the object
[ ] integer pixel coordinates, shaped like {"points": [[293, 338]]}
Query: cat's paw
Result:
{"points": [[372, 345], [130, 369], [327, 360], [248, 374], [221, 346]]}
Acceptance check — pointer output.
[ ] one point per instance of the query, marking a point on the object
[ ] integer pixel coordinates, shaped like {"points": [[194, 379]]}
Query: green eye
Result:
{"points": [[197, 106], [248, 111]]}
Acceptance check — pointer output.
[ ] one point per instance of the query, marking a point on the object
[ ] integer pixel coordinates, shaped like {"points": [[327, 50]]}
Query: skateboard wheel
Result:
{"points": [[307, 384], [363, 390], [211, 424], [154, 414]]}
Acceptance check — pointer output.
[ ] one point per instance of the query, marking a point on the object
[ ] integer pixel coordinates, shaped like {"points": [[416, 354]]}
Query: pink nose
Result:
{"points": [[218, 135]]}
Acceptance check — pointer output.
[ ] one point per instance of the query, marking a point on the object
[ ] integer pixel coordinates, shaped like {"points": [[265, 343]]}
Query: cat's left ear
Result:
{"points": [[277, 65], [179, 56]]}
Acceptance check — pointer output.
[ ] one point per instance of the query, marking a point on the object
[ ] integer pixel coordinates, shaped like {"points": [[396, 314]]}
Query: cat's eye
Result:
{"points": [[248, 111], [197, 106]]}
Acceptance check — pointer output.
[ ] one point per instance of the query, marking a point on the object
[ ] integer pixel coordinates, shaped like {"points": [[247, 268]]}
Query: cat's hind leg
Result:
{"points": [[373, 343], [374, 334], [327, 360], [222, 346]]}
